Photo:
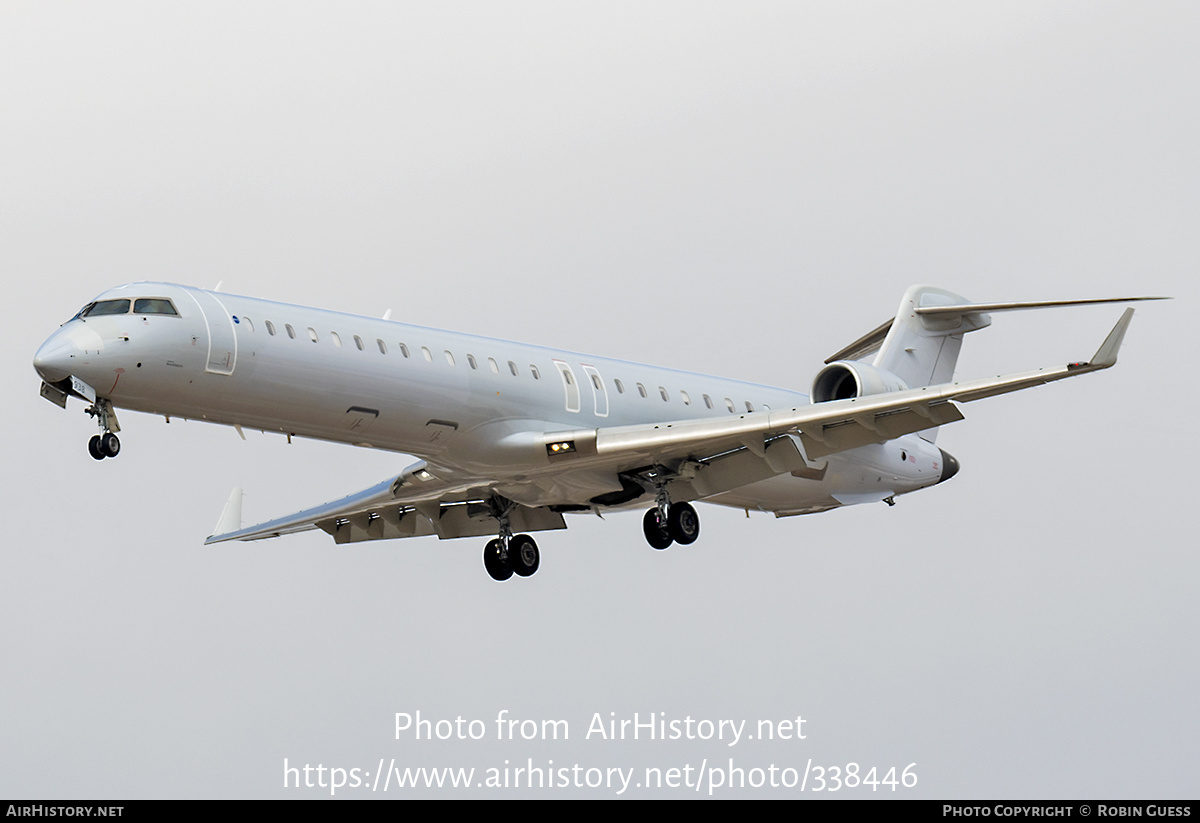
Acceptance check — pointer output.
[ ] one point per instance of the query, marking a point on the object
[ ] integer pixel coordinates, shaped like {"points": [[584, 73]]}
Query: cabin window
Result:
{"points": [[620, 386], [749, 406], [359, 343], [312, 333], [534, 371], [492, 363], [382, 346], [403, 349], [337, 341], [249, 323], [596, 382], [687, 401], [291, 332], [471, 361], [729, 405], [449, 357], [641, 389], [512, 367], [270, 328], [427, 354], [154, 305], [708, 401], [663, 393]]}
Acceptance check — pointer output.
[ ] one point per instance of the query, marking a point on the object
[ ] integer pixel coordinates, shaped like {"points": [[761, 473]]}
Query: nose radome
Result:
{"points": [[55, 360]]}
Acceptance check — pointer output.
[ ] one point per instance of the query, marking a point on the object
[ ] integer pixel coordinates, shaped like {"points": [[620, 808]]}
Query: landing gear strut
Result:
{"points": [[510, 554], [105, 444]]}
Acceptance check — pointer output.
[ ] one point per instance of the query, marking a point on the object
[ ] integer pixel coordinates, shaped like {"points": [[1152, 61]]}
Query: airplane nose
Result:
{"points": [[53, 359], [56, 359], [950, 466]]}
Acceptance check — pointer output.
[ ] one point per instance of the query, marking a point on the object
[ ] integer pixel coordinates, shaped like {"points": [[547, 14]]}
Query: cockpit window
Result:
{"points": [[153, 305], [106, 307]]}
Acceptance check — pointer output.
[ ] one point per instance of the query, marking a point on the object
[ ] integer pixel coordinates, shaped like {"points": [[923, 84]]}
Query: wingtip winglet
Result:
{"points": [[1106, 355], [231, 517]]}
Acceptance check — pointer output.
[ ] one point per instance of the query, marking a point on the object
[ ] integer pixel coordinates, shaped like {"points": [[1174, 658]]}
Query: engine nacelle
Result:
{"points": [[848, 378]]}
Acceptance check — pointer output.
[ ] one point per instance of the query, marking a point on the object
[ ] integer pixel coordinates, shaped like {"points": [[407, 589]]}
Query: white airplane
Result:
{"points": [[511, 436]]}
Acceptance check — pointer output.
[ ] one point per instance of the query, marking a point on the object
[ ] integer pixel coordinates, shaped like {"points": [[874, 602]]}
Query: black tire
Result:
{"points": [[683, 523], [96, 448], [110, 444], [496, 566], [657, 534], [523, 555]]}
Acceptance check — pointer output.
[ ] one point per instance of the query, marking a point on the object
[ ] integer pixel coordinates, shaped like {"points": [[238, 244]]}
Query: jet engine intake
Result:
{"points": [[846, 379]]}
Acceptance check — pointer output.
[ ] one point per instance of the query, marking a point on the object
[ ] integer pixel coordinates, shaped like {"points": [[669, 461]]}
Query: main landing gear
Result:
{"points": [[510, 554], [521, 558], [669, 523], [106, 443]]}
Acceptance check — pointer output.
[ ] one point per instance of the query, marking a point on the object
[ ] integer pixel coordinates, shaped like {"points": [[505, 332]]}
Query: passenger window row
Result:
{"points": [[492, 364]]}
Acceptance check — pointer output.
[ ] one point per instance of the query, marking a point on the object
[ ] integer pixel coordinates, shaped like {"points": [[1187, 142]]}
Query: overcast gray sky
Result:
{"points": [[735, 189]]}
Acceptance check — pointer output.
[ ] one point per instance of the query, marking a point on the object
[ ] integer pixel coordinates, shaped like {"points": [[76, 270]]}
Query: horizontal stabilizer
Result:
{"points": [[870, 342], [975, 308]]}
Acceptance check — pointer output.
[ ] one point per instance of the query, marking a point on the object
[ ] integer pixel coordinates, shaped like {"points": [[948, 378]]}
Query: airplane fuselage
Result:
{"points": [[463, 402]]}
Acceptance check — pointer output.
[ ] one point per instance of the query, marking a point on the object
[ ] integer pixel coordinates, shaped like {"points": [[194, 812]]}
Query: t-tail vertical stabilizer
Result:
{"points": [[922, 349]]}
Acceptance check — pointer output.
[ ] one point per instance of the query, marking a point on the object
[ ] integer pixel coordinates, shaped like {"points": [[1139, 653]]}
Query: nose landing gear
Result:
{"points": [[102, 446], [106, 443]]}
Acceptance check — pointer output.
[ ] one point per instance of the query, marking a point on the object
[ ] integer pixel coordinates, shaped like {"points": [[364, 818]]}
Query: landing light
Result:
{"points": [[562, 447]]}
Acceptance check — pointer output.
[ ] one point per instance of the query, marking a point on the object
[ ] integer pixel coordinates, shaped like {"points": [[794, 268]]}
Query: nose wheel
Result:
{"points": [[105, 444]]}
